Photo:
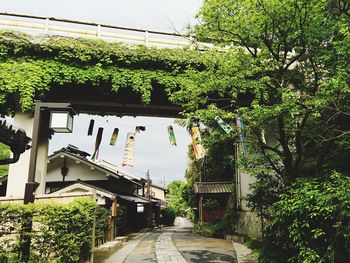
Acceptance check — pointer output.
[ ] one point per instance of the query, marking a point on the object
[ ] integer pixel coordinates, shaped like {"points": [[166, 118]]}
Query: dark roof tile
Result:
{"points": [[212, 187]]}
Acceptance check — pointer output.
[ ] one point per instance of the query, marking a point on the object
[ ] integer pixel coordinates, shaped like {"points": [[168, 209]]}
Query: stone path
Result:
{"points": [[120, 256], [175, 244], [166, 250]]}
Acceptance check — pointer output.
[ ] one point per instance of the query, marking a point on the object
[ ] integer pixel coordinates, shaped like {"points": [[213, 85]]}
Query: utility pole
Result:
{"points": [[148, 184]]}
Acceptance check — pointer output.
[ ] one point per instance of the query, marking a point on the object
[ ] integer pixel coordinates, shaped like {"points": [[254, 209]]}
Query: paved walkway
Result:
{"points": [[121, 255], [166, 251], [175, 244]]}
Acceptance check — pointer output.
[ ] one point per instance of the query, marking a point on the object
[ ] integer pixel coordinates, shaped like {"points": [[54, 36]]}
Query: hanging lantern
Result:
{"points": [[61, 121]]}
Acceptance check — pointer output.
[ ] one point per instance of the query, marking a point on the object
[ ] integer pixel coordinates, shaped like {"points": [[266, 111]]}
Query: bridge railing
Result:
{"points": [[65, 27]]}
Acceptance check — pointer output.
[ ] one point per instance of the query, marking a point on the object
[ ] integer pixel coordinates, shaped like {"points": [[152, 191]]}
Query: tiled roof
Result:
{"points": [[134, 199], [212, 187]]}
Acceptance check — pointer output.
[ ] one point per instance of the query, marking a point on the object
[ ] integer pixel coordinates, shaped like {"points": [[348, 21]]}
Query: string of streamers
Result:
{"points": [[118, 122], [240, 126], [140, 128], [171, 135], [227, 128], [198, 148], [91, 127], [97, 144], [129, 150], [114, 136]]}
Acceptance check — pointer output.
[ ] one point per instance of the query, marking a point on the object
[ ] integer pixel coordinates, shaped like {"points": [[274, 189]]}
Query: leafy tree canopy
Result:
{"points": [[176, 195], [289, 61], [310, 223]]}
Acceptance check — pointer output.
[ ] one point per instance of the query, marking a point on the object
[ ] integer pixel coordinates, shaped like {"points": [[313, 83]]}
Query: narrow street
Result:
{"points": [[175, 244]]}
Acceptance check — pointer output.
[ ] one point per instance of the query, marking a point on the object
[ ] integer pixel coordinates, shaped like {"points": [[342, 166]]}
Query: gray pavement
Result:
{"points": [[145, 251], [174, 244], [166, 251], [244, 254], [124, 252]]}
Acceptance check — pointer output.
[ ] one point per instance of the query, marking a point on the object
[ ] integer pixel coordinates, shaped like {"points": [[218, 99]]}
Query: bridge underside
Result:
{"points": [[126, 102], [101, 101]]}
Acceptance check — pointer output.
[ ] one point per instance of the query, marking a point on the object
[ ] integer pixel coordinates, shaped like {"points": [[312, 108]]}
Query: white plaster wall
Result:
{"points": [[243, 184], [246, 180], [18, 172], [75, 171], [158, 193]]}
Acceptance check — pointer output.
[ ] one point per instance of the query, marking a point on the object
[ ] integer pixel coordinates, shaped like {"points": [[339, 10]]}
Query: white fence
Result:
{"points": [[65, 27]]}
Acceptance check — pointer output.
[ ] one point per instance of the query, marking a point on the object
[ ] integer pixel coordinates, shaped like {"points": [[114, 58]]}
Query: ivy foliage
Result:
{"points": [[61, 233], [31, 65]]}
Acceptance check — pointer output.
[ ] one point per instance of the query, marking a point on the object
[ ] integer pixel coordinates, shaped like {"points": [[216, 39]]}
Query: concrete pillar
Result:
{"points": [[43, 150], [18, 172]]}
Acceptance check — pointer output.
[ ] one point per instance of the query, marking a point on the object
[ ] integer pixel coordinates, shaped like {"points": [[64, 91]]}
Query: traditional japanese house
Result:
{"points": [[69, 171]]}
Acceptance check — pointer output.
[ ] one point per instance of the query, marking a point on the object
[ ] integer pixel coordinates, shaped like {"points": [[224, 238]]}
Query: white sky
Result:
{"points": [[153, 150], [164, 15]]}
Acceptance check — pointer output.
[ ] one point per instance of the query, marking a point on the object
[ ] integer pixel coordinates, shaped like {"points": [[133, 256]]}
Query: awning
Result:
{"points": [[212, 187], [133, 199]]}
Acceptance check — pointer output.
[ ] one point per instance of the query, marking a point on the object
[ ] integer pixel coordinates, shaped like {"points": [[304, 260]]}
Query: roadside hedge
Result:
{"points": [[61, 233], [168, 215], [311, 222]]}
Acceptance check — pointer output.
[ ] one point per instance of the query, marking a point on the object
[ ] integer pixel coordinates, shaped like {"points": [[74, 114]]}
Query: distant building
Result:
{"points": [[212, 199], [69, 170], [71, 174]]}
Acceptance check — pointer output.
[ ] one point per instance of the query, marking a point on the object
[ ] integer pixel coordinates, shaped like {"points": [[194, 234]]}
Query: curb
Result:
{"points": [[243, 253], [129, 246]]}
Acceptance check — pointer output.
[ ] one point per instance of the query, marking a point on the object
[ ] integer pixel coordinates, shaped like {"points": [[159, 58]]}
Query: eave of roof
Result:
{"points": [[81, 184], [159, 187], [115, 174], [134, 199], [212, 187]]}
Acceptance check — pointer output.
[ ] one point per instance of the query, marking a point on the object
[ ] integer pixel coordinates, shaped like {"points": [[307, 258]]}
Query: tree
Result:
{"points": [[287, 62], [175, 196], [311, 222], [219, 162]]}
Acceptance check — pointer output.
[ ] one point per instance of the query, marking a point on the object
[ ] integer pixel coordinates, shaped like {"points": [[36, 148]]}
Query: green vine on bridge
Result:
{"points": [[31, 65]]}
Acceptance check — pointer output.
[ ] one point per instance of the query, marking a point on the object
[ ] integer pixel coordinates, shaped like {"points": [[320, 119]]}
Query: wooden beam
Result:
{"points": [[113, 108]]}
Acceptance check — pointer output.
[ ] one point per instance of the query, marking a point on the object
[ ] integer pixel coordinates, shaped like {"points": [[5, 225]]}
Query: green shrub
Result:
{"points": [[61, 233], [221, 226], [214, 228], [311, 222], [168, 215]]}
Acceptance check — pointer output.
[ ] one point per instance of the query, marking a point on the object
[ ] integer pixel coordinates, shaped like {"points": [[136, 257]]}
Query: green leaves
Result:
{"points": [[4, 154], [62, 233], [310, 222], [176, 194], [31, 65]]}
